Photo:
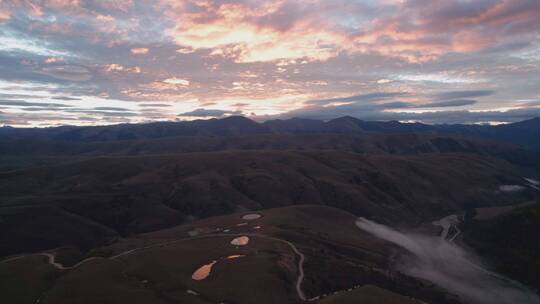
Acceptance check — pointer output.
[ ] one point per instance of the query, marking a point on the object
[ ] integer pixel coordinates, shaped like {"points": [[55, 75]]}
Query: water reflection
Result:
{"points": [[251, 216], [203, 272], [240, 241]]}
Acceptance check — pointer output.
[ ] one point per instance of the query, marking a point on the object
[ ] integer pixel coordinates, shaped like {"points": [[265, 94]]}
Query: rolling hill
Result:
{"points": [[105, 203]]}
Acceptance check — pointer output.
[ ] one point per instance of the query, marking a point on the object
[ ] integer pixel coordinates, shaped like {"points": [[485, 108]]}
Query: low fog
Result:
{"points": [[450, 267]]}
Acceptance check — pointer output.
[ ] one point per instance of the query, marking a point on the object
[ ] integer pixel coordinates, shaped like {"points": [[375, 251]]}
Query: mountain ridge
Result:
{"points": [[525, 133]]}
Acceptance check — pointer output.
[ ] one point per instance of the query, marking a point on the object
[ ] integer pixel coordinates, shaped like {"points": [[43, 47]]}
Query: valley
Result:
{"points": [[173, 219]]}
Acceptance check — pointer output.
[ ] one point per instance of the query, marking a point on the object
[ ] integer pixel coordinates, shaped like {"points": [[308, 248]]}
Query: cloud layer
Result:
{"points": [[269, 58], [450, 267]]}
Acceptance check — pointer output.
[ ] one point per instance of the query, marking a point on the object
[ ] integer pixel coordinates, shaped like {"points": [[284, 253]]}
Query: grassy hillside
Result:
{"points": [[33, 228], [511, 243], [368, 295], [157, 267], [145, 193]]}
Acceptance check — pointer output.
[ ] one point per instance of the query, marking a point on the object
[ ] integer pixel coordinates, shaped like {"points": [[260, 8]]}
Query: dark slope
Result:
{"points": [[265, 271], [134, 194], [518, 231], [18, 154], [526, 133], [33, 228], [95, 183]]}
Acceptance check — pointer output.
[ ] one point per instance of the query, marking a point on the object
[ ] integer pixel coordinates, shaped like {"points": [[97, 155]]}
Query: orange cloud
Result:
{"points": [[185, 50], [247, 33], [106, 18], [5, 14], [139, 51], [177, 81], [54, 59], [116, 68], [229, 30]]}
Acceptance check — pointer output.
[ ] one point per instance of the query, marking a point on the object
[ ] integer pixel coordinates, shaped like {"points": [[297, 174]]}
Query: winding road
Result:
{"points": [[446, 223], [52, 257]]}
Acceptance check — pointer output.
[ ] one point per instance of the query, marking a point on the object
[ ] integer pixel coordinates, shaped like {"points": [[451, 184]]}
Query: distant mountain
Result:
{"points": [[525, 133], [343, 125], [229, 126], [295, 125]]}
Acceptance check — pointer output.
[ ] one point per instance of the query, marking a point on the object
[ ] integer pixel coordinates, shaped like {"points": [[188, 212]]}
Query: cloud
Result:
{"points": [[106, 112], [156, 105], [54, 59], [423, 31], [394, 105], [177, 81], [117, 68], [530, 104], [67, 72], [381, 113], [139, 51], [67, 98], [450, 267], [239, 31], [368, 102], [207, 104], [448, 103], [240, 105], [111, 109], [29, 119], [357, 98], [40, 109], [274, 56], [209, 113], [463, 94], [4, 14], [20, 96], [294, 29], [369, 106], [21, 103]]}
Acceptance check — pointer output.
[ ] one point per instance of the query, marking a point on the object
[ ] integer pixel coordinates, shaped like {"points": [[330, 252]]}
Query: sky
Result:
{"points": [[76, 62]]}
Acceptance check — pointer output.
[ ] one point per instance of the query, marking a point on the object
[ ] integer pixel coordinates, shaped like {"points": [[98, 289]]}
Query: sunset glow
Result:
{"points": [[432, 61]]}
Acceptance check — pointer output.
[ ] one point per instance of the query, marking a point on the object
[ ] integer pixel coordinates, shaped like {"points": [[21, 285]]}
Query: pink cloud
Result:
{"points": [[139, 51], [54, 59], [417, 31], [5, 13], [310, 30], [425, 30], [106, 18], [235, 30], [117, 68], [116, 5]]}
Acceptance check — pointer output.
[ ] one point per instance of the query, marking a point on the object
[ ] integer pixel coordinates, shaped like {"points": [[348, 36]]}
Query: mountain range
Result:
{"points": [[526, 133]]}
